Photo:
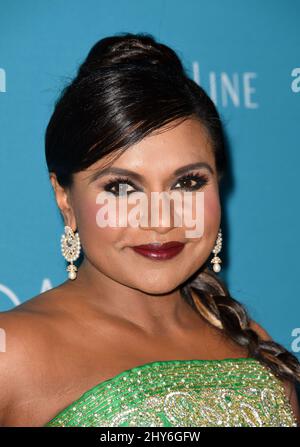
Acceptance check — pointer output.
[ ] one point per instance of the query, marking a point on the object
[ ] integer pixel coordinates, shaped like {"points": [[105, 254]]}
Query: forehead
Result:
{"points": [[164, 150], [187, 140]]}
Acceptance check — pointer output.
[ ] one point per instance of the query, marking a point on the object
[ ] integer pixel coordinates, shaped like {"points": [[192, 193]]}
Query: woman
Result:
{"points": [[140, 334]]}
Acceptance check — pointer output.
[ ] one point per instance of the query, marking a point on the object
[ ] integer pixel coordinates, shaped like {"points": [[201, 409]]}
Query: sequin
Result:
{"points": [[237, 392]]}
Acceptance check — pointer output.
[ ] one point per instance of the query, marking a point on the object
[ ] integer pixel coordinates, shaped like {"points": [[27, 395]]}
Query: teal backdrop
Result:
{"points": [[246, 55]]}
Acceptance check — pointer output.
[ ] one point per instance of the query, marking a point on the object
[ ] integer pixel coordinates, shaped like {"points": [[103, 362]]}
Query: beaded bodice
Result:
{"points": [[184, 393]]}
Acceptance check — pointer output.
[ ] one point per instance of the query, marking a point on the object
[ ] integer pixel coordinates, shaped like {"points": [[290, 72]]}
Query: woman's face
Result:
{"points": [[155, 159]]}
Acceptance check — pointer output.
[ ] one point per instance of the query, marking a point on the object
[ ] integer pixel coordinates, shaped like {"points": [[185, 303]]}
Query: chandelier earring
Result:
{"points": [[216, 261], [70, 248]]}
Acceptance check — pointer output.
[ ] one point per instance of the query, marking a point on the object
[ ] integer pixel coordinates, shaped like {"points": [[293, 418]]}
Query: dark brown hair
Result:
{"points": [[128, 87]]}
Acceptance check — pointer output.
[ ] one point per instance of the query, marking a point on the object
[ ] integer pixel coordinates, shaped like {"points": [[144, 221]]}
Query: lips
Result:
{"points": [[159, 252]]}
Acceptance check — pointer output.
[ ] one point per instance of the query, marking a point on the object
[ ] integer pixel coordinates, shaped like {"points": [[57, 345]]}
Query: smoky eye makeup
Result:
{"points": [[113, 185], [192, 181]]}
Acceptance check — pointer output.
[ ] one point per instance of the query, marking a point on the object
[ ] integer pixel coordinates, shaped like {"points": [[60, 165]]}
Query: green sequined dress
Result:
{"points": [[232, 392]]}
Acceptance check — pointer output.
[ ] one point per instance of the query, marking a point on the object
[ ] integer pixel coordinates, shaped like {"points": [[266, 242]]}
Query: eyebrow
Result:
{"points": [[140, 178]]}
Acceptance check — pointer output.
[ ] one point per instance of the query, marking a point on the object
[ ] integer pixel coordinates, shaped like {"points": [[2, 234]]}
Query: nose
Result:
{"points": [[158, 213]]}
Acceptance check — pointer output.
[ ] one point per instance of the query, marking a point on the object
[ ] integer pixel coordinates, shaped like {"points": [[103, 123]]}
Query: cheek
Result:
{"points": [[92, 235], [206, 209], [203, 245], [212, 207], [212, 218]]}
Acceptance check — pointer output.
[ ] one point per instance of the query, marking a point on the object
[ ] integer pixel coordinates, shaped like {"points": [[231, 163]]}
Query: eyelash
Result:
{"points": [[202, 180]]}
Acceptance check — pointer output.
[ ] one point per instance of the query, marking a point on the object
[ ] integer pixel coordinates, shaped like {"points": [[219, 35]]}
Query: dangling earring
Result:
{"points": [[70, 248], [216, 261]]}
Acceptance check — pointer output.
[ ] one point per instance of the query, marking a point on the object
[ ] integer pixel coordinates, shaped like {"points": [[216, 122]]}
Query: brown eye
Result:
{"points": [[192, 182], [119, 186]]}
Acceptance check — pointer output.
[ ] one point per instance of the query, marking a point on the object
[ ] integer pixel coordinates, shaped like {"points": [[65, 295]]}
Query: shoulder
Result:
{"points": [[289, 387], [23, 357]]}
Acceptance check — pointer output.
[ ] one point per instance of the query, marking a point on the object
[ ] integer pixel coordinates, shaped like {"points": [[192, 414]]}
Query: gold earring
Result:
{"points": [[70, 248], [216, 261]]}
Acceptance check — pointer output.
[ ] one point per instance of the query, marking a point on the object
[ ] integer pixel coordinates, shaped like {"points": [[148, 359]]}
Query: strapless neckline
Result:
{"points": [[177, 361], [152, 364], [159, 391]]}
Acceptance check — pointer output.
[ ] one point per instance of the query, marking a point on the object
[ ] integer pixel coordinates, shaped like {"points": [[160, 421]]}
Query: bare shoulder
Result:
{"points": [[289, 387], [25, 332]]}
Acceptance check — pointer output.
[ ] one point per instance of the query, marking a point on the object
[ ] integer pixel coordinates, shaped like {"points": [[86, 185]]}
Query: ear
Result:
{"points": [[64, 203]]}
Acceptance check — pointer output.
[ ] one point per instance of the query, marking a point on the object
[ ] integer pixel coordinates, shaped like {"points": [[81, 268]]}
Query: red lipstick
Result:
{"points": [[160, 252]]}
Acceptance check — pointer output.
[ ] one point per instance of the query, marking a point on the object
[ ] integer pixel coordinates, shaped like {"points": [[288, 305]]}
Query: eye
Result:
{"points": [[192, 181], [119, 182]]}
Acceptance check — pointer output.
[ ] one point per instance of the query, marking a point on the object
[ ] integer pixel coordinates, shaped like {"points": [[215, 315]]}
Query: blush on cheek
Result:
{"points": [[111, 213], [93, 235], [87, 214], [212, 206]]}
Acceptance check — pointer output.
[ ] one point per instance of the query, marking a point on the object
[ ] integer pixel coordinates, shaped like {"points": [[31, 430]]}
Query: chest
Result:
{"points": [[73, 368]]}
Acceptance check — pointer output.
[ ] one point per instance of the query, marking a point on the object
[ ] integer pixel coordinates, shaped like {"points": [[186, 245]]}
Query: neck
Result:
{"points": [[96, 292]]}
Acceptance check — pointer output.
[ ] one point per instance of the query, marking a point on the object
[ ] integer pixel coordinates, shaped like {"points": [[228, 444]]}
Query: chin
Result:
{"points": [[158, 287]]}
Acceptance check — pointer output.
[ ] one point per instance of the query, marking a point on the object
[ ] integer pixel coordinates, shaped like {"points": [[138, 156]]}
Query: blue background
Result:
{"points": [[42, 44]]}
